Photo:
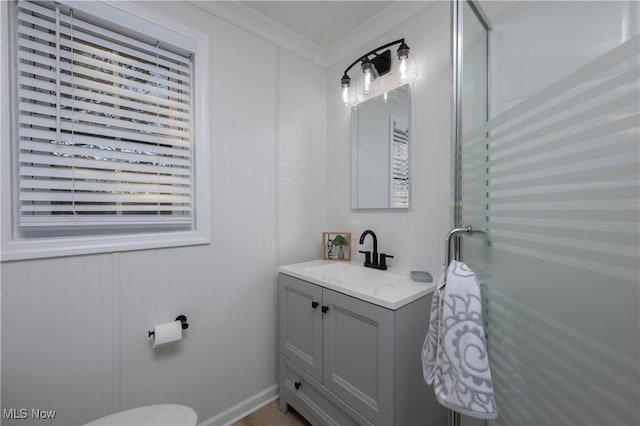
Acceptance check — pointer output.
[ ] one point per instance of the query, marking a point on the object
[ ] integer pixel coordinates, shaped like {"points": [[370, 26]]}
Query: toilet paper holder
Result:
{"points": [[181, 318]]}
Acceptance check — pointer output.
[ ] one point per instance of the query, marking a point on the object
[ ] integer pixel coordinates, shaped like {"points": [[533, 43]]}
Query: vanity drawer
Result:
{"points": [[326, 408]]}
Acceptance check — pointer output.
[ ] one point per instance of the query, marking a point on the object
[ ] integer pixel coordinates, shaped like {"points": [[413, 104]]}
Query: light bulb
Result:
{"points": [[403, 69], [407, 71], [369, 81], [345, 95]]}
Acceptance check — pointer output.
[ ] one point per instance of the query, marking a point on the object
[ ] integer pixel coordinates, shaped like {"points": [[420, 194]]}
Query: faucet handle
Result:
{"points": [[367, 256], [383, 260]]}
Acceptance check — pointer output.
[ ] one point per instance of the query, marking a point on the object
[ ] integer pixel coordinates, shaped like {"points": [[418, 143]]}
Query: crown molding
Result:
{"points": [[249, 20], [388, 18]]}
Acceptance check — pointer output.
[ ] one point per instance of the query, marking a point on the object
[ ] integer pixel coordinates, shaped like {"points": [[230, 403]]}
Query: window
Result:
{"points": [[103, 127]]}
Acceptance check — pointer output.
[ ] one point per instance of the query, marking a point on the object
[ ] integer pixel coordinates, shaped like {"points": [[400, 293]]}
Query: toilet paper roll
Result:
{"points": [[167, 333]]}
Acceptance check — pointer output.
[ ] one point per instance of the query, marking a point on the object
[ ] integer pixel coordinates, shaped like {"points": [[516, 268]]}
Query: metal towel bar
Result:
{"points": [[468, 230], [454, 417]]}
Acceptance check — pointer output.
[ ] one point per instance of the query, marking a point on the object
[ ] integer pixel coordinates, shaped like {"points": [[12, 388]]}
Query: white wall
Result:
{"points": [[302, 149], [416, 237], [74, 329]]}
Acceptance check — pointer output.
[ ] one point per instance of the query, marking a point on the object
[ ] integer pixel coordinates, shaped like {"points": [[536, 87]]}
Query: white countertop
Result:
{"points": [[390, 289]]}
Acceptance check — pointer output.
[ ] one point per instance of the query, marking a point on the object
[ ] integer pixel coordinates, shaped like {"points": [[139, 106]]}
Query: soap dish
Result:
{"points": [[421, 276]]}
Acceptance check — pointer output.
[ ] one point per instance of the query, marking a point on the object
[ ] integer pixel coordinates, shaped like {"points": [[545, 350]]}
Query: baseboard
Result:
{"points": [[243, 408]]}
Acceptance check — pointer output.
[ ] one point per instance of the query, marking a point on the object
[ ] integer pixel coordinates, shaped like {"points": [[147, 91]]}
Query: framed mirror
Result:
{"points": [[380, 151]]}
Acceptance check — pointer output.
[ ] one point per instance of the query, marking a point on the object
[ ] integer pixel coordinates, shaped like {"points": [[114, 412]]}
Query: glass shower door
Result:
{"points": [[550, 168]]}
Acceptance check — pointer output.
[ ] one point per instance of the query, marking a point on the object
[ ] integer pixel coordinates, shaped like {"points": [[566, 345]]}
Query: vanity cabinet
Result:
{"points": [[346, 361]]}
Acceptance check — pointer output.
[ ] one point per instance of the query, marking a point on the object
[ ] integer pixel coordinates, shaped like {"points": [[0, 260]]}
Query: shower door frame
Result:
{"points": [[457, 44], [457, 26]]}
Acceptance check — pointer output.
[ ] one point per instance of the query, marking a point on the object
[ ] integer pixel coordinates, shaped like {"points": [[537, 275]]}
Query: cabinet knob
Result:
{"points": [[297, 385], [325, 309], [314, 304]]}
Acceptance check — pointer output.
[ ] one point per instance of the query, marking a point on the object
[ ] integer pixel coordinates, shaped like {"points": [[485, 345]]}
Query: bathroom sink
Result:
{"points": [[390, 289], [355, 276]]}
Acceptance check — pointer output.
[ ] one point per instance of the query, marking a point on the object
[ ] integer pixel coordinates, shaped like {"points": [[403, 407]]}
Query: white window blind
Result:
{"points": [[104, 125], [399, 164]]}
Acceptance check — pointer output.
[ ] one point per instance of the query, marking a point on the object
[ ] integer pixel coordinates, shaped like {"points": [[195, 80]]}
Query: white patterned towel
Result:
{"points": [[454, 355]]}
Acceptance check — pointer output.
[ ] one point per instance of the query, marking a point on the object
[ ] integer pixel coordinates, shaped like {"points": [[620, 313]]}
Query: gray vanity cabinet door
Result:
{"points": [[358, 355], [300, 324]]}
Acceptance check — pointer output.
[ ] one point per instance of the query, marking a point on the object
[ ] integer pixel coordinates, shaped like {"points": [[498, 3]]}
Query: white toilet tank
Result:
{"points": [[151, 415]]}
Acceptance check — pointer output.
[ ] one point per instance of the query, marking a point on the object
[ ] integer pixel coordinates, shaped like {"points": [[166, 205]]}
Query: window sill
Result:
{"points": [[39, 248]]}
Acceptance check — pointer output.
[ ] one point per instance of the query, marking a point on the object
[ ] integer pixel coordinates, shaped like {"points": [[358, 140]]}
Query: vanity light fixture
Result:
{"points": [[374, 65]]}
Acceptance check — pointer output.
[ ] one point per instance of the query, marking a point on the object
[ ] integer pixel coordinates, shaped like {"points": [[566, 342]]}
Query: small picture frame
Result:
{"points": [[336, 246]]}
